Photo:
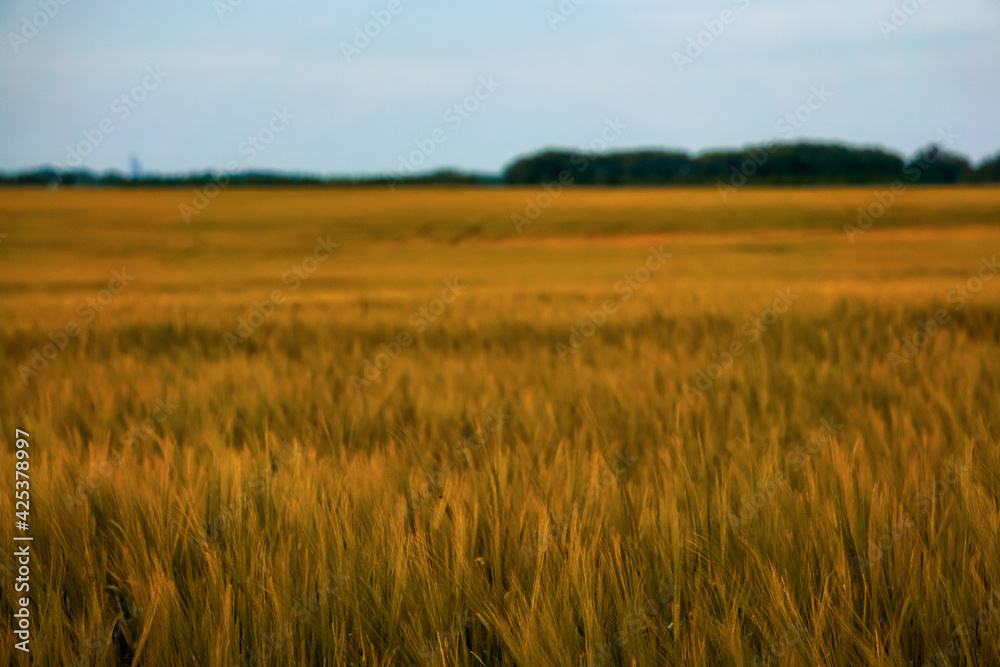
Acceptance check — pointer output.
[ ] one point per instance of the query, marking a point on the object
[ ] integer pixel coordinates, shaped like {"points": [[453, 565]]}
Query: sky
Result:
{"points": [[193, 85]]}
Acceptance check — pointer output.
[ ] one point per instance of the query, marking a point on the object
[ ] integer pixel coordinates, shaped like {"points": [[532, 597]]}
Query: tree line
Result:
{"points": [[771, 164]]}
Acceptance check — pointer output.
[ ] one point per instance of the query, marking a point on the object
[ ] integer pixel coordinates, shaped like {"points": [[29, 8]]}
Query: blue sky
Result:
{"points": [[227, 67]]}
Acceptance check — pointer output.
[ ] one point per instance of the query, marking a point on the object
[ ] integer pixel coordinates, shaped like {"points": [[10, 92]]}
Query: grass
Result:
{"points": [[475, 498]]}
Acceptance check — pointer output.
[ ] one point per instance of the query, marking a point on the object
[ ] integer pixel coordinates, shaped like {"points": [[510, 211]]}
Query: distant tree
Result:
{"points": [[934, 165], [988, 171]]}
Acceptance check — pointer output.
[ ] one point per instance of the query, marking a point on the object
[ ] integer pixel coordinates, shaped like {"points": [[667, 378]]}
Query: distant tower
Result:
{"points": [[135, 168]]}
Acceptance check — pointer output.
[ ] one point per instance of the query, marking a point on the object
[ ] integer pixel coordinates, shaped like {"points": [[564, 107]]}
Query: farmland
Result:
{"points": [[506, 427]]}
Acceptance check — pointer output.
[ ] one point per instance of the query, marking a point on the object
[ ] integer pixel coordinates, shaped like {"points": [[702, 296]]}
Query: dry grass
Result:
{"points": [[482, 501]]}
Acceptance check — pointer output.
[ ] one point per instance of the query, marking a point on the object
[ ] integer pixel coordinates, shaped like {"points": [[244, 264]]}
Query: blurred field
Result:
{"points": [[485, 498]]}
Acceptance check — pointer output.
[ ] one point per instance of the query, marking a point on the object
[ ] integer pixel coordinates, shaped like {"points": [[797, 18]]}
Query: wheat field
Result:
{"points": [[505, 427]]}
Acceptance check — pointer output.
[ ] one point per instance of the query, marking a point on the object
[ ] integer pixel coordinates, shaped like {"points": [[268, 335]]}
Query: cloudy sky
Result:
{"points": [[351, 104]]}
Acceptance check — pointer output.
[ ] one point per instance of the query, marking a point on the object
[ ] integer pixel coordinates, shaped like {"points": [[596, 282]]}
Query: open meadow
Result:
{"points": [[363, 427]]}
